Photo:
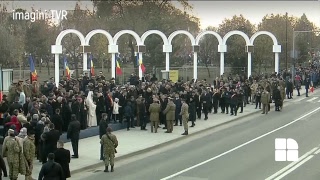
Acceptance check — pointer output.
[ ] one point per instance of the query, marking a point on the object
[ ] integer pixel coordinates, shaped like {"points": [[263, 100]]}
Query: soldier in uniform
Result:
{"points": [[29, 150], [12, 151], [265, 100], [170, 114], [110, 143], [154, 110], [253, 88], [12, 93], [26, 89], [185, 116]]}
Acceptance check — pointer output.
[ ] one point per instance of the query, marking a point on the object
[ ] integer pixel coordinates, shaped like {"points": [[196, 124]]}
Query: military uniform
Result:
{"points": [[29, 154], [170, 115], [110, 143], [12, 150], [265, 100], [185, 117], [154, 110]]}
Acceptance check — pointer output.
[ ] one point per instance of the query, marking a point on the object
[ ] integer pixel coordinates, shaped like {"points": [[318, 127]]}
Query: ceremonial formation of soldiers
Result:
{"points": [[35, 115]]}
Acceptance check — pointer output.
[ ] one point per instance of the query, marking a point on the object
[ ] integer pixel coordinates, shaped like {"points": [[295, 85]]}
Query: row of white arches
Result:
{"points": [[167, 46]]}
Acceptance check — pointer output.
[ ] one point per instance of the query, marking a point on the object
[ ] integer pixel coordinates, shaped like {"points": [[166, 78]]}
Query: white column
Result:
{"points": [[167, 61], [221, 63], [276, 62], [249, 64], [195, 65], [140, 71], [113, 65], [56, 69], [85, 62]]}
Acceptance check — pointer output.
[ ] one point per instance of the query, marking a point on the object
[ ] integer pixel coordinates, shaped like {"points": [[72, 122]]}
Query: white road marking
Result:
{"points": [[238, 147], [297, 100], [314, 98], [292, 164], [317, 152], [294, 168]]}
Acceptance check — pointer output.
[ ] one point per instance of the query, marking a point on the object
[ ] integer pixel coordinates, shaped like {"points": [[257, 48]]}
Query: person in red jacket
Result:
{"points": [[14, 121]]}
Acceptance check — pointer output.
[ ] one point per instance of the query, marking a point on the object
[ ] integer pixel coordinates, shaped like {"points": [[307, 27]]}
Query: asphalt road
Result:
{"points": [[244, 151]]}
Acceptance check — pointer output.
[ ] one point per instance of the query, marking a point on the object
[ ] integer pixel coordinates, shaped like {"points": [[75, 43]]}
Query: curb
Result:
{"points": [[101, 163]]}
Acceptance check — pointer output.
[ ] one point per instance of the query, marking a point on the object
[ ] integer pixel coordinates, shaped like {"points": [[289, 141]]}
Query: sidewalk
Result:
{"points": [[136, 141]]}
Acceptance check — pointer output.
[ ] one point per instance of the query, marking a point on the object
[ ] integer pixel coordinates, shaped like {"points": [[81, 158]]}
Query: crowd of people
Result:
{"points": [[36, 114]]}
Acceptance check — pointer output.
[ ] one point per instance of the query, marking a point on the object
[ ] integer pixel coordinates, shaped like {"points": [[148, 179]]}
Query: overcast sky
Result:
{"points": [[211, 13]]}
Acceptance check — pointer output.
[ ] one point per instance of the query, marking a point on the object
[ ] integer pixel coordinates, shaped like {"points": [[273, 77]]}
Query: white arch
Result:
{"points": [[208, 32], [98, 31], [67, 31], [255, 35], [161, 34], [245, 37], [172, 35], [122, 32]]}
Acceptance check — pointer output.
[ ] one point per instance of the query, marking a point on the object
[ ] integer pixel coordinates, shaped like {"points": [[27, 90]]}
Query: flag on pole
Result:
{"points": [[34, 75], [91, 65], [118, 69], [66, 67], [143, 69]]}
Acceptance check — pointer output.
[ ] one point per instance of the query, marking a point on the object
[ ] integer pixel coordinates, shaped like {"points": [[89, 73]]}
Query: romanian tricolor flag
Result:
{"points": [[118, 69], [66, 67], [143, 69], [91, 65], [34, 75]]}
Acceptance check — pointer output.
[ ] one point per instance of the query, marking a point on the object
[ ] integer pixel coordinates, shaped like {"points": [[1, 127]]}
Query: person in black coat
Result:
{"points": [[192, 111], [51, 169], [50, 140], [57, 121], [3, 168], [307, 85], [74, 135], [62, 156], [178, 104], [15, 105], [142, 114], [215, 100], [277, 98], [233, 103], [128, 113], [103, 130], [205, 100]]}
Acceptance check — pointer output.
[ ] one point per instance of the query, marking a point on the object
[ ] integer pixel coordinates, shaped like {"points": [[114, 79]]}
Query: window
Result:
{"points": [[286, 150]]}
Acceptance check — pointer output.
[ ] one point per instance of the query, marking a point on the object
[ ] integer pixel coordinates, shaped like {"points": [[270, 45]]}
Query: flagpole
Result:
{"points": [[115, 67], [140, 70]]}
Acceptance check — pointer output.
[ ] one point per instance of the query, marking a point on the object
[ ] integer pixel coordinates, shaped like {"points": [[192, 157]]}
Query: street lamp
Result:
{"points": [[1, 79], [286, 50]]}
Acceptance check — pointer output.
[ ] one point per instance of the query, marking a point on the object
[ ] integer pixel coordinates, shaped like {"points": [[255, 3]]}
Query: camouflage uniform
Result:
{"points": [[27, 90], [109, 146], [170, 115], [154, 110], [12, 93], [13, 151], [29, 154], [185, 116]]}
